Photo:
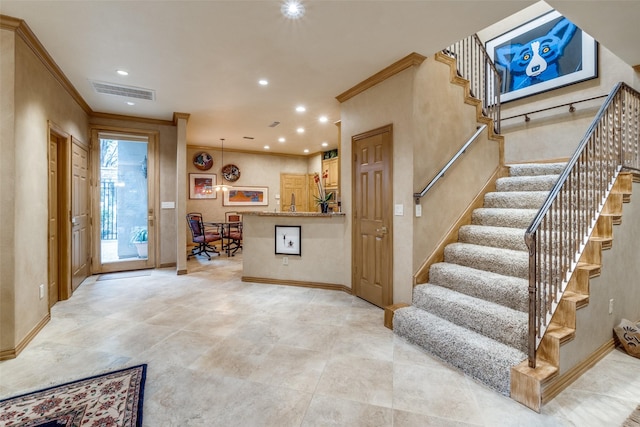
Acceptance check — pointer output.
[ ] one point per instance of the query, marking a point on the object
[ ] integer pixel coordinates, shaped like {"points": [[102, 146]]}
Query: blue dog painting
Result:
{"points": [[528, 61]]}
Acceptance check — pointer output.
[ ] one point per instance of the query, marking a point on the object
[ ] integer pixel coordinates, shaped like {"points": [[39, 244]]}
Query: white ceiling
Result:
{"points": [[205, 57]]}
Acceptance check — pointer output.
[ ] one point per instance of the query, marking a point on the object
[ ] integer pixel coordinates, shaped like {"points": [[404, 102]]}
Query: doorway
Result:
{"points": [[124, 198], [372, 217]]}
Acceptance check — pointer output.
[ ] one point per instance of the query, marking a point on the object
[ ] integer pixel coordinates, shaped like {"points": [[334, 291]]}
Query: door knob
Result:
{"points": [[381, 230]]}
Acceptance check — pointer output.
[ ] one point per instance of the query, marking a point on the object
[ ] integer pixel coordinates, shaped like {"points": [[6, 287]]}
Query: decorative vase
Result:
{"points": [[324, 207]]}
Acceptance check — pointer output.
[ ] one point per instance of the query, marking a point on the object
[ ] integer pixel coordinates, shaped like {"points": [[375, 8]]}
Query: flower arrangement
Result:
{"points": [[323, 197]]}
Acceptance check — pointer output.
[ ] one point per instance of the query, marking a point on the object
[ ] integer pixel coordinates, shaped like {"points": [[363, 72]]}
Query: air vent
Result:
{"points": [[126, 91], [274, 124], [248, 137]]}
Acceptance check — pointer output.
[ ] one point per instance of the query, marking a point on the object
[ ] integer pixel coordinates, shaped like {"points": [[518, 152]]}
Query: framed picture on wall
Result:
{"points": [[246, 196], [287, 240], [546, 53], [201, 186]]}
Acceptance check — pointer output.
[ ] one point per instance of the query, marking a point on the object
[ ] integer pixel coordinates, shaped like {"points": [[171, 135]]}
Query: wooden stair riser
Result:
{"points": [[592, 253], [624, 186]]}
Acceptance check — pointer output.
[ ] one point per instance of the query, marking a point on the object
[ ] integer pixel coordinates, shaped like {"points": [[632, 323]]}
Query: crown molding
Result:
{"points": [[637, 68], [133, 119], [393, 69], [21, 29], [177, 116]]}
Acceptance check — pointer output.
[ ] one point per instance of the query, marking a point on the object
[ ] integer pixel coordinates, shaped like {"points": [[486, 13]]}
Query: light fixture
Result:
{"points": [[300, 130], [301, 109], [292, 9], [263, 82], [266, 147], [131, 103], [122, 72], [325, 144], [281, 139], [222, 186], [323, 119], [306, 150]]}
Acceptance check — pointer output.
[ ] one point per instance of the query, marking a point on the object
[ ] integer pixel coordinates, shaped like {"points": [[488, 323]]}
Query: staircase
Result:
{"points": [[472, 313]]}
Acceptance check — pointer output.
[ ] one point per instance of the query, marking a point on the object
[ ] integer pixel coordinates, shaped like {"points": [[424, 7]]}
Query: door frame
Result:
{"points": [[388, 212], [153, 169], [64, 208]]}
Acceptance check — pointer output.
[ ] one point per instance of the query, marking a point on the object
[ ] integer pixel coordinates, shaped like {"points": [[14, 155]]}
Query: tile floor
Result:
{"points": [[221, 352]]}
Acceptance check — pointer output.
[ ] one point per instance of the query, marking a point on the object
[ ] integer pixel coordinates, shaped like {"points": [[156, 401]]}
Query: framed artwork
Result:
{"points": [[246, 196], [544, 54], [287, 240], [201, 186]]}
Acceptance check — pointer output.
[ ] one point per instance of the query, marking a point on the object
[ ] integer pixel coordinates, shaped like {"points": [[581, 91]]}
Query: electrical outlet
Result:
{"points": [[611, 306], [285, 260], [41, 290]]}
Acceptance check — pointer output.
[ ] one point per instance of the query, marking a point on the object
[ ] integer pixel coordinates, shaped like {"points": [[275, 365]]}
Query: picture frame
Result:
{"points": [[563, 55], [288, 240], [201, 186], [246, 196]]}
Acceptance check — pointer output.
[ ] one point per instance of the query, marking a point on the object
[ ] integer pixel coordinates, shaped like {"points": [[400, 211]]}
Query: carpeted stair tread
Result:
{"points": [[498, 237], [509, 291], [526, 183], [478, 356], [501, 217], [528, 169], [502, 261], [515, 199], [484, 317]]}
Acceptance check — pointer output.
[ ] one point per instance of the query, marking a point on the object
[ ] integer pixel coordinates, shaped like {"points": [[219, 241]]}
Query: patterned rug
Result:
{"points": [[113, 399]]}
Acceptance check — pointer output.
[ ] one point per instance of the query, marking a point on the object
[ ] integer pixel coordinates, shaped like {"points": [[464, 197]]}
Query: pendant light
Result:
{"points": [[222, 186]]}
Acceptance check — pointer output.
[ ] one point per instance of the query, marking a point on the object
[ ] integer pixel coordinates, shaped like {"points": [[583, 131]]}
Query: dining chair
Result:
{"points": [[234, 243], [201, 236]]}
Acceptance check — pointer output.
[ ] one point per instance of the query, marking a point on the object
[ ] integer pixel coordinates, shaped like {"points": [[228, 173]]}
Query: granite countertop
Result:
{"points": [[294, 214]]}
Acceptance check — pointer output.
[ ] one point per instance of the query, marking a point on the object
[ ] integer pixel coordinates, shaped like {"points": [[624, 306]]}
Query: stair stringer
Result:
{"points": [[535, 386]]}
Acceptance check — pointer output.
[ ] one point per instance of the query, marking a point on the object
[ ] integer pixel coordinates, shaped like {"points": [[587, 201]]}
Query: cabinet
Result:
{"points": [[331, 167]]}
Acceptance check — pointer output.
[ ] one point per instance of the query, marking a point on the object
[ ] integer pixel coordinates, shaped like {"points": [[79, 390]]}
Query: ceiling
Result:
{"points": [[205, 58]]}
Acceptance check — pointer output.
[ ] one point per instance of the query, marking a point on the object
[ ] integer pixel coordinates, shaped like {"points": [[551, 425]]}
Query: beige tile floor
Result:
{"points": [[221, 352]]}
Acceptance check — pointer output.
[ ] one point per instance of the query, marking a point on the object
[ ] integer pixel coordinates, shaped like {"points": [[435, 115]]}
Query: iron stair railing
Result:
{"points": [[474, 65], [560, 231]]}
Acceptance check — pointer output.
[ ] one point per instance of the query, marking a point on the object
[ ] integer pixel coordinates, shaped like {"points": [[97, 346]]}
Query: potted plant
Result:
{"points": [[139, 238], [322, 199]]}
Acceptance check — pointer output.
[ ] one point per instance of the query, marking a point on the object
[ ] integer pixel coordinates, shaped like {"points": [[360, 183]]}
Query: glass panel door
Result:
{"points": [[126, 214]]}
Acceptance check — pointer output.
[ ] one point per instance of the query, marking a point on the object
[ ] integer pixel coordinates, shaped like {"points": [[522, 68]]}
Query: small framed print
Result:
{"points": [[287, 240], [201, 186]]}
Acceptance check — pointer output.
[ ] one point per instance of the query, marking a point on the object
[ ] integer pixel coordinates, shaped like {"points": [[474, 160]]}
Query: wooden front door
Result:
{"points": [[372, 202], [80, 208], [296, 185]]}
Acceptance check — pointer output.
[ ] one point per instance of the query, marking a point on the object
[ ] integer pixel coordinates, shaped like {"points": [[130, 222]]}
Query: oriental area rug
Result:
{"points": [[113, 399]]}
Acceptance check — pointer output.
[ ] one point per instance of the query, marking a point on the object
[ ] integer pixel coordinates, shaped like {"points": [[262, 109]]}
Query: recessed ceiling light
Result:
{"points": [[292, 9], [325, 144], [306, 150], [263, 82], [281, 139], [300, 130], [323, 119], [131, 103], [300, 109], [266, 147], [122, 72]]}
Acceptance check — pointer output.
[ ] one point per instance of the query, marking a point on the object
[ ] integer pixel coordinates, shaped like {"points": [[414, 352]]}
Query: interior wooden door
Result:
{"points": [[372, 202], [80, 210], [53, 215], [296, 185]]}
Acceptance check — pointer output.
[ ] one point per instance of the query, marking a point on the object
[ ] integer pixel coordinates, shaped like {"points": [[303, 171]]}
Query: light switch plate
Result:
{"points": [[398, 209], [418, 211]]}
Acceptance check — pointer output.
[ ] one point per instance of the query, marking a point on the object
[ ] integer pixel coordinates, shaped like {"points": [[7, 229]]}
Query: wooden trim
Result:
{"points": [[563, 381], [235, 150], [21, 28], [422, 274], [14, 352], [390, 311], [177, 116], [636, 68], [393, 69], [168, 265], [317, 285], [136, 119]]}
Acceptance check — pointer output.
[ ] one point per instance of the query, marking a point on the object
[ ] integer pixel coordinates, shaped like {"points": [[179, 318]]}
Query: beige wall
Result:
{"points": [[323, 249], [555, 134], [38, 98], [389, 102], [618, 281]]}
